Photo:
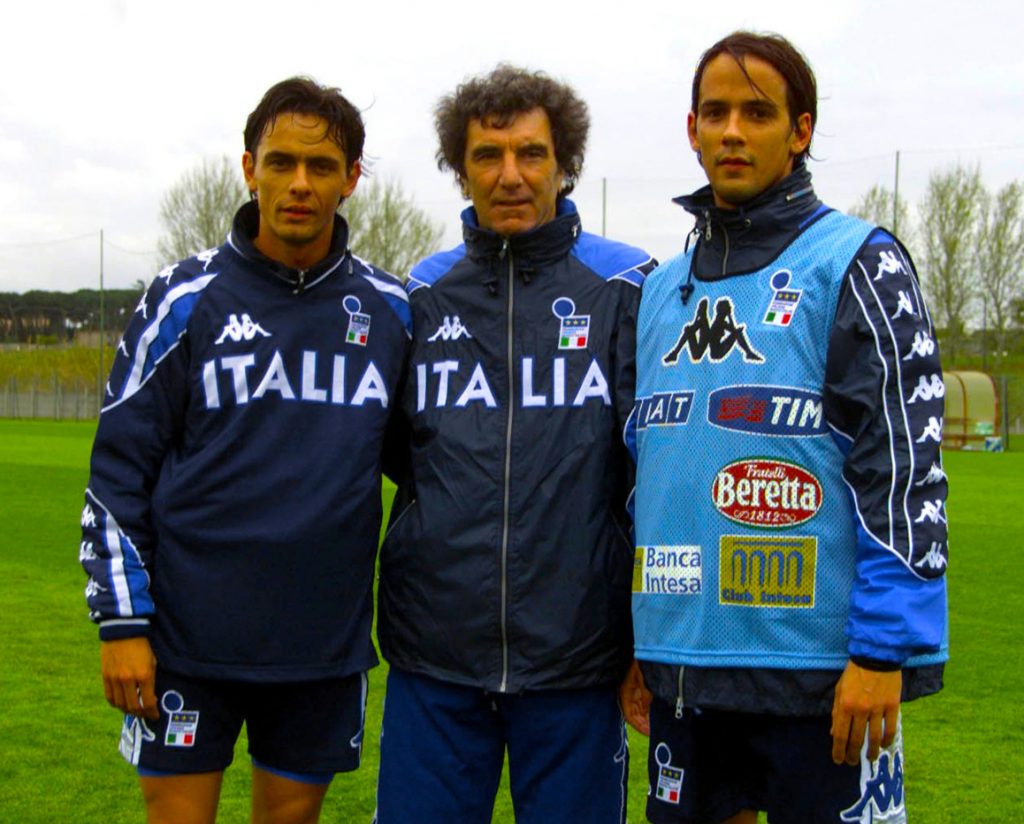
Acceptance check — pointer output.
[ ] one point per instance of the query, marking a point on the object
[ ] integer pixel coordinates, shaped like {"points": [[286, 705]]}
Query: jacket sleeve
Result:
{"points": [[625, 373], [883, 399], [143, 413]]}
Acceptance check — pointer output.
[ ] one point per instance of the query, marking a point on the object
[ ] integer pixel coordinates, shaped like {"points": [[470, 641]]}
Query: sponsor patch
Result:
{"points": [[664, 409], [182, 724], [767, 571], [767, 410], [784, 301], [358, 322], [670, 779], [668, 570], [766, 493], [575, 329]]}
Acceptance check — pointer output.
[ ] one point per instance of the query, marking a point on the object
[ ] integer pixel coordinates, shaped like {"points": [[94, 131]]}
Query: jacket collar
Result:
{"points": [[244, 229], [733, 241], [542, 244]]}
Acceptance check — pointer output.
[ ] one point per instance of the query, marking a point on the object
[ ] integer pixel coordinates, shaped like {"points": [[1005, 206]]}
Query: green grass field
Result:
{"points": [[58, 739]]}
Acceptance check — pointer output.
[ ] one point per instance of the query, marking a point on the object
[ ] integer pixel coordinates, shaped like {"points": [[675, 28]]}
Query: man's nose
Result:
{"points": [[300, 181], [510, 176], [734, 128]]}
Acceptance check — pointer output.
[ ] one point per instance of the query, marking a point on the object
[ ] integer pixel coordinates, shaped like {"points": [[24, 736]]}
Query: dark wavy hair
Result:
{"points": [[497, 98], [781, 55], [303, 95]]}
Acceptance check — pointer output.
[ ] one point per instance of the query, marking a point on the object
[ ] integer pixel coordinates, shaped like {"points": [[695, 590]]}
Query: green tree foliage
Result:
{"points": [[951, 236], [876, 206], [387, 228], [196, 211], [1001, 273]]}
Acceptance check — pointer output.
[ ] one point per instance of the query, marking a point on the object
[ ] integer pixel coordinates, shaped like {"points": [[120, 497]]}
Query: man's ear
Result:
{"points": [[249, 172], [800, 138], [691, 131], [353, 178]]}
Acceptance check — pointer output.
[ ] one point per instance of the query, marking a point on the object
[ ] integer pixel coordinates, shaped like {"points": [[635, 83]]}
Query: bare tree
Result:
{"points": [[1002, 261], [388, 229], [951, 230], [876, 206], [196, 211]]}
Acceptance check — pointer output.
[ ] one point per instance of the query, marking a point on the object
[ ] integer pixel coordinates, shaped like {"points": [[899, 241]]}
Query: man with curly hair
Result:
{"points": [[505, 575]]}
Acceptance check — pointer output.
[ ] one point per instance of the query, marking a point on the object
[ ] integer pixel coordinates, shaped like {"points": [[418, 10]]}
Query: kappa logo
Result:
{"points": [[246, 329], [904, 305], [86, 552], [931, 511], [889, 264], [670, 779], [881, 789], [134, 733], [934, 476], [715, 338], [933, 558], [93, 588], [167, 272], [451, 328], [143, 308], [88, 516], [928, 388], [574, 329], [784, 301], [123, 347], [358, 322], [932, 431], [922, 347], [182, 724], [206, 257]]}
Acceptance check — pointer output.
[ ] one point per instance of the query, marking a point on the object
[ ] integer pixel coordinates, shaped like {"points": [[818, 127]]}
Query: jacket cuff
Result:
{"points": [[119, 628], [875, 664]]}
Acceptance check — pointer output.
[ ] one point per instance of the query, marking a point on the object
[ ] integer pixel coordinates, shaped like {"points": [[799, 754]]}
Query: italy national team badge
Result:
{"points": [[358, 323], [575, 328], [181, 723], [784, 301], [670, 779]]}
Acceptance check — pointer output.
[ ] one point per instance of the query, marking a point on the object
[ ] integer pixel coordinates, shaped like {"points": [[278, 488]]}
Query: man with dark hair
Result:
{"points": [[790, 498], [504, 593], [233, 509]]}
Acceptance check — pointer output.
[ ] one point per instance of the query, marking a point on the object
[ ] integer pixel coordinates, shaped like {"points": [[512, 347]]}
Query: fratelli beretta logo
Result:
{"points": [[766, 493]]}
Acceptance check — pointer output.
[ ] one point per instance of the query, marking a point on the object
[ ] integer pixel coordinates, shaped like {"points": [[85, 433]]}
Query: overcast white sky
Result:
{"points": [[103, 105]]}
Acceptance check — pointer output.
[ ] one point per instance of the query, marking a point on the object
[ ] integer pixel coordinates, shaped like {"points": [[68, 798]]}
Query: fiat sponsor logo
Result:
{"points": [[766, 493]]}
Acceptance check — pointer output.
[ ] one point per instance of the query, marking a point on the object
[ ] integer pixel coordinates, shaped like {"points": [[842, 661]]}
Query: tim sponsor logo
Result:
{"points": [[767, 571], [767, 410], [766, 493]]}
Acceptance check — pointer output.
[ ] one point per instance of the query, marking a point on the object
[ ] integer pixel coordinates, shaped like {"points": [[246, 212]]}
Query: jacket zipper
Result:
{"points": [[679, 694], [503, 687]]}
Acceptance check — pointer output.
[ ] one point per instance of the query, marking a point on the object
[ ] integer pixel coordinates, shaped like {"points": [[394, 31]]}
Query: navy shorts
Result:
{"points": [[711, 764], [306, 731], [443, 747]]}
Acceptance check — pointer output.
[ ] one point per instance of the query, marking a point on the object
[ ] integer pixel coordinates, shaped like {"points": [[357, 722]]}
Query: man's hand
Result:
{"points": [[129, 676], [635, 700], [866, 701]]}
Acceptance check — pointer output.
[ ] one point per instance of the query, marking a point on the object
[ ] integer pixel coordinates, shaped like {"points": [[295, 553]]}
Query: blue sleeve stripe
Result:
{"points": [[162, 334], [430, 270], [394, 295], [127, 578], [632, 276]]}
